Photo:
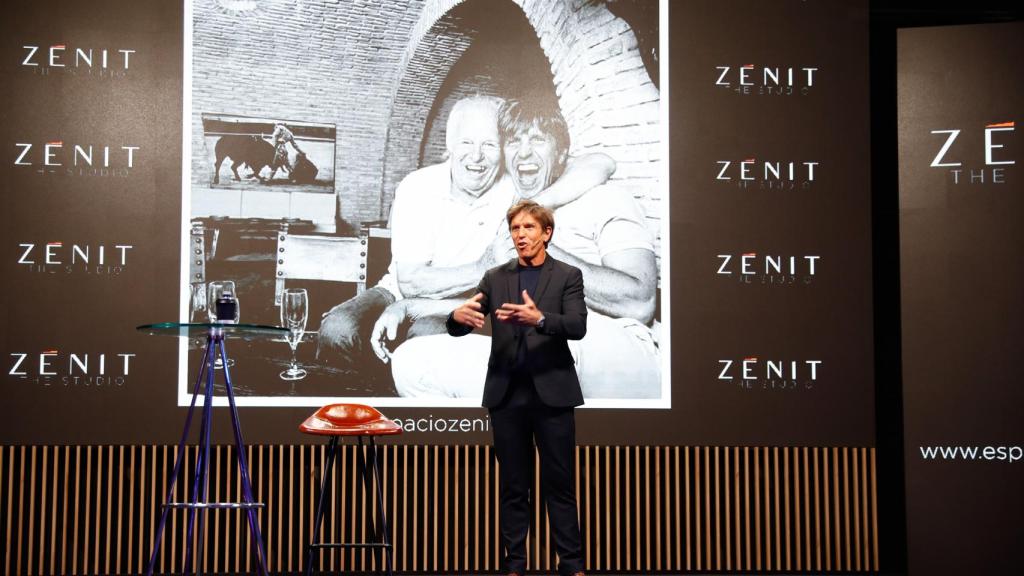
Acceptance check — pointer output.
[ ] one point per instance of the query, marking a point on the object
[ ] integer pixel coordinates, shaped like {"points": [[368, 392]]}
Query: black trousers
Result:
{"points": [[517, 424]]}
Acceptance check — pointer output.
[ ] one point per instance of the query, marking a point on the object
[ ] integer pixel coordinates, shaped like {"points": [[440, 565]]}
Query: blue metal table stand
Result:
{"points": [[200, 482]]}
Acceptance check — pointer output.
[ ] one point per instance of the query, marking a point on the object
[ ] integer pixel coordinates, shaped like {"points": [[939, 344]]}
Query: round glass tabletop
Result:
{"points": [[200, 329]]}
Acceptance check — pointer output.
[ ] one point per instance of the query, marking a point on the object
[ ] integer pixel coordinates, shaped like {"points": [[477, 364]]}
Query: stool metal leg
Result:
{"points": [[200, 479], [200, 482], [385, 535], [371, 474], [332, 450], [179, 458], [367, 477], [243, 467]]}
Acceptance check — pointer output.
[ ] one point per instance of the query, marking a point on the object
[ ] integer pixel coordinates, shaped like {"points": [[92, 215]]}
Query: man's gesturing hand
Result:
{"points": [[468, 313], [525, 314]]}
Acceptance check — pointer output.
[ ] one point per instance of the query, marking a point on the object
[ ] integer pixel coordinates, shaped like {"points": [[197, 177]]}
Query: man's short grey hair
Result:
{"points": [[492, 103]]}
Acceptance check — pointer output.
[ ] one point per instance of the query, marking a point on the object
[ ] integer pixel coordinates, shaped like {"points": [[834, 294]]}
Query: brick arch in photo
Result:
{"points": [[595, 68]]}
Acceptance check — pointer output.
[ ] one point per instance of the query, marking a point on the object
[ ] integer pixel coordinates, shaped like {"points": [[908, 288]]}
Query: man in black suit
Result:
{"points": [[531, 386]]}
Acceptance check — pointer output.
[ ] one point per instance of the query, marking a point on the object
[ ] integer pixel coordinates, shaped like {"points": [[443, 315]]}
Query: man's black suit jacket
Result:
{"points": [[559, 296]]}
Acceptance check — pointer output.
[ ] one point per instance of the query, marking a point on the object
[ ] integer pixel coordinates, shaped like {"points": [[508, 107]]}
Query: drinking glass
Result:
{"points": [[216, 290], [294, 313]]}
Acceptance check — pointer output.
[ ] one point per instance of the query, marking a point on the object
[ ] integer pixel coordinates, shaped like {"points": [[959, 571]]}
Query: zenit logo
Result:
{"points": [[750, 80], [51, 367], [768, 269], [78, 61], [61, 258], [60, 158], [752, 373], [767, 174], [996, 151]]}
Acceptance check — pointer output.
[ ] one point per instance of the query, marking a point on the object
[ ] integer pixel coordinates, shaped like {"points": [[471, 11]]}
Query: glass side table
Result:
{"points": [[215, 353]]}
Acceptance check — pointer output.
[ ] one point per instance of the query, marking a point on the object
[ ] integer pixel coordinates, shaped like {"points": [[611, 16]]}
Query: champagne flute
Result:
{"points": [[294, 313]]}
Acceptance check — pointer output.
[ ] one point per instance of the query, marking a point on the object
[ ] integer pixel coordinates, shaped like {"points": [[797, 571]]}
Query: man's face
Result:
{"points": [[532, 160], [476, 151], [529, 238]]}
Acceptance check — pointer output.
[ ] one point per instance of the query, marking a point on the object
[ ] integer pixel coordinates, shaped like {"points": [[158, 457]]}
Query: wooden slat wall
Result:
{"points": [[94, 509]]}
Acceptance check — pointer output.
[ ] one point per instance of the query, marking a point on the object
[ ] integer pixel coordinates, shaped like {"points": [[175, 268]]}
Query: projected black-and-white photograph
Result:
{"points": [[350, 167], [269, 151]]}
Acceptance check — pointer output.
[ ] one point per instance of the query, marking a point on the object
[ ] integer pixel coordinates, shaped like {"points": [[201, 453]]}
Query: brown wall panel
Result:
{"points": [[959, 96]]}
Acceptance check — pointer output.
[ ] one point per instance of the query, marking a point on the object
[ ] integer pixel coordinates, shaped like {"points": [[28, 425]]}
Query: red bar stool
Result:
{"points": [[359, 420]]}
